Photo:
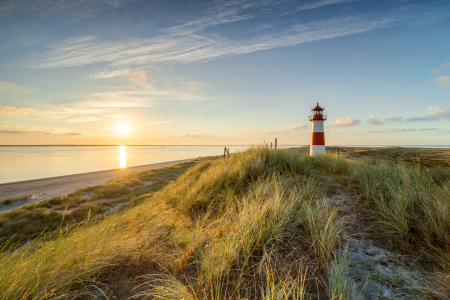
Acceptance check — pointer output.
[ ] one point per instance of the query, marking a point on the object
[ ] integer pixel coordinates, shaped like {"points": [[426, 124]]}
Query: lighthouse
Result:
{"points": [[317, 135]]}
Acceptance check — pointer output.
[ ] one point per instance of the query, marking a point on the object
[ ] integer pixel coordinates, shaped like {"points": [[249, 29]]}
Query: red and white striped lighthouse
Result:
{"points": [[317, 134]]}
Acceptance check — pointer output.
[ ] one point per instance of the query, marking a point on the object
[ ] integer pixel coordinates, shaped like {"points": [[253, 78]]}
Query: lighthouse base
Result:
{"points": [[317, 149]]}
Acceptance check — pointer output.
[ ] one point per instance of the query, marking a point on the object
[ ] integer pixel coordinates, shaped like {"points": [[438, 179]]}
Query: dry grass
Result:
{"points": [[251, 226], [29, 221]]}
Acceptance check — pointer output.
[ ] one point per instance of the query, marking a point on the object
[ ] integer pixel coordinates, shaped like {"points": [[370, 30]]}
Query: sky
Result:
{"points": [[144, 72]]}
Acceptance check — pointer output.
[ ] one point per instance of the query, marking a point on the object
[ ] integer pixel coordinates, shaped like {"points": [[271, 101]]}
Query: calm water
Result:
{"points": [[19, 163]]}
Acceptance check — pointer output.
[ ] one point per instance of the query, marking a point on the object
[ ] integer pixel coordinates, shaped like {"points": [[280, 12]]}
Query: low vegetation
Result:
{"points": [[256, 225], [11, 200], [30, 221]]}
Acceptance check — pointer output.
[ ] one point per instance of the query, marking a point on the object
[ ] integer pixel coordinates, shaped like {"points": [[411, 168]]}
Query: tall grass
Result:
{"points": [[410, 210], [243, 227]]}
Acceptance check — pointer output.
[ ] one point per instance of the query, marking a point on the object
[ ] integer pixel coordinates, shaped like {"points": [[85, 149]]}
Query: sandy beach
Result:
{"points": [[47, 188]]}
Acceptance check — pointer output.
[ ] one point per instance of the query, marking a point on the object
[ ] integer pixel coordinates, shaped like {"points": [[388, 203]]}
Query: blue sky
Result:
{"points": [[224, 72]]}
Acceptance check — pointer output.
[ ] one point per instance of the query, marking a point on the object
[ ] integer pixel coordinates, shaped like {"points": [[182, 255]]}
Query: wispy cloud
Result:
{"points": [[395, 119], [333, 132], [24, 111], [189, 42], [395, 129], [441, 69], [346, 122], [62, 9], [442, 81], [11, 88], [382, 130], [83, 119], [4, 129], [191, 135], [374, 121], [287, 129]]}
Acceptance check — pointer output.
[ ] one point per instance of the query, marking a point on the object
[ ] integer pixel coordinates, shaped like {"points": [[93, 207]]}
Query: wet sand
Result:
{"points": [[63, 185]]}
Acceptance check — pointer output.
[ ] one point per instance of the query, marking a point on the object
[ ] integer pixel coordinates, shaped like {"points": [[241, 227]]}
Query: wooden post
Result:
{"points": [[338, 151], [224, 152], [270, 145], [275, 144]]}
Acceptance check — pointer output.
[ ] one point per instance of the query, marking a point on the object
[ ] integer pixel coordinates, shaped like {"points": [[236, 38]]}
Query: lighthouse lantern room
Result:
{"points": [[317, 135]]}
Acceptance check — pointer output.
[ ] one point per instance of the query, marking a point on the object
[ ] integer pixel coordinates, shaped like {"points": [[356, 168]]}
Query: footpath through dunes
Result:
{"points": [[46, 188], [261, 224]]}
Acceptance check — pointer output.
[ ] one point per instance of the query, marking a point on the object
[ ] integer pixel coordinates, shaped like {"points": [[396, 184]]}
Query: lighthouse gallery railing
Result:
{"points": [[318, 117]]}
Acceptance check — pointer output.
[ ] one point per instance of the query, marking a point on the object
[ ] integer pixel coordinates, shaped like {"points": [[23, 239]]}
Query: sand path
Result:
{"points": [[63, 185], [371, 271]]}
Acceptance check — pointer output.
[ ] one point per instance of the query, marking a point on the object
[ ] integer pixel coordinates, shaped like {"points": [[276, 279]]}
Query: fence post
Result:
{"points": [[224, 152], [338, 151], [275, 143], [270, 145]]}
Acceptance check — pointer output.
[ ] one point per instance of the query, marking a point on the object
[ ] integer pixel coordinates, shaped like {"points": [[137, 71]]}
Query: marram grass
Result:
{"points": [[207, 235], [252, 226]]}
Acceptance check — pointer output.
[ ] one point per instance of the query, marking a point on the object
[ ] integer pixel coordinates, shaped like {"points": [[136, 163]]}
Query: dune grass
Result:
{"points": [[409, 210], [11, 200], [30, 221], [255, 225]]}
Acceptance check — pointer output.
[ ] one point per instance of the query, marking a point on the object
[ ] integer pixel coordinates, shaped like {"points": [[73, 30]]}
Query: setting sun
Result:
{"points": [[122, 129]]}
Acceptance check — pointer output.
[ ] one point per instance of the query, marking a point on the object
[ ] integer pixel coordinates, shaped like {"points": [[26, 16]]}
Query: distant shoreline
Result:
{"points": [[63, 185], [136, 145]]}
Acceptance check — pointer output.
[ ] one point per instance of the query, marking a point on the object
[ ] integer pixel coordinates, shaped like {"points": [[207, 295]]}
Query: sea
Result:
{"points": [[20, 163]]}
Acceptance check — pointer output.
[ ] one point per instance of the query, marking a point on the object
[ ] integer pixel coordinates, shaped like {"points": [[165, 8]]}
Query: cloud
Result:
{"points": [[287, 129], [374, 121], [382, 130], [194, 86], [71, 10], [388, 84], [441, 69], [4, 129], [436, 113], [442, 81], [139, 77], [83, 119], [333, 132], [11, 88], [427, 129], [394, 129], [395, 119], [433, 114], [12, 111], [419, 119], [347, 122], [191, 135], [410, 99], [191, 42]]}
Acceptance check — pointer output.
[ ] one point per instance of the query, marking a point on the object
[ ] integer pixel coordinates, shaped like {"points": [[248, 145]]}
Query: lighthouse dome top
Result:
{"points": [[317, 107]]}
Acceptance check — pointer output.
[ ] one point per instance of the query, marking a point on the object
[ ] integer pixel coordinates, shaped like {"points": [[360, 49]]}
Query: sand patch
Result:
{"points": [[373, 272]]}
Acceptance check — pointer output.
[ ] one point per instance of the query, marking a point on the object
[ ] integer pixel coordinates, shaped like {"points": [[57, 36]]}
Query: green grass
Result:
{"points": [[11, 200], [256, 225]]}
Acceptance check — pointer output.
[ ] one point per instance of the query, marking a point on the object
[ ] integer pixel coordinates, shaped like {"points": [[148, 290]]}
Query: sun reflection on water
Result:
{"points": [[123, 157]]}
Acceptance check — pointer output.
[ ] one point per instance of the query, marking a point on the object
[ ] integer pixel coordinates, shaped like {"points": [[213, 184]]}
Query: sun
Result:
{"points": [[122, 129]]}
